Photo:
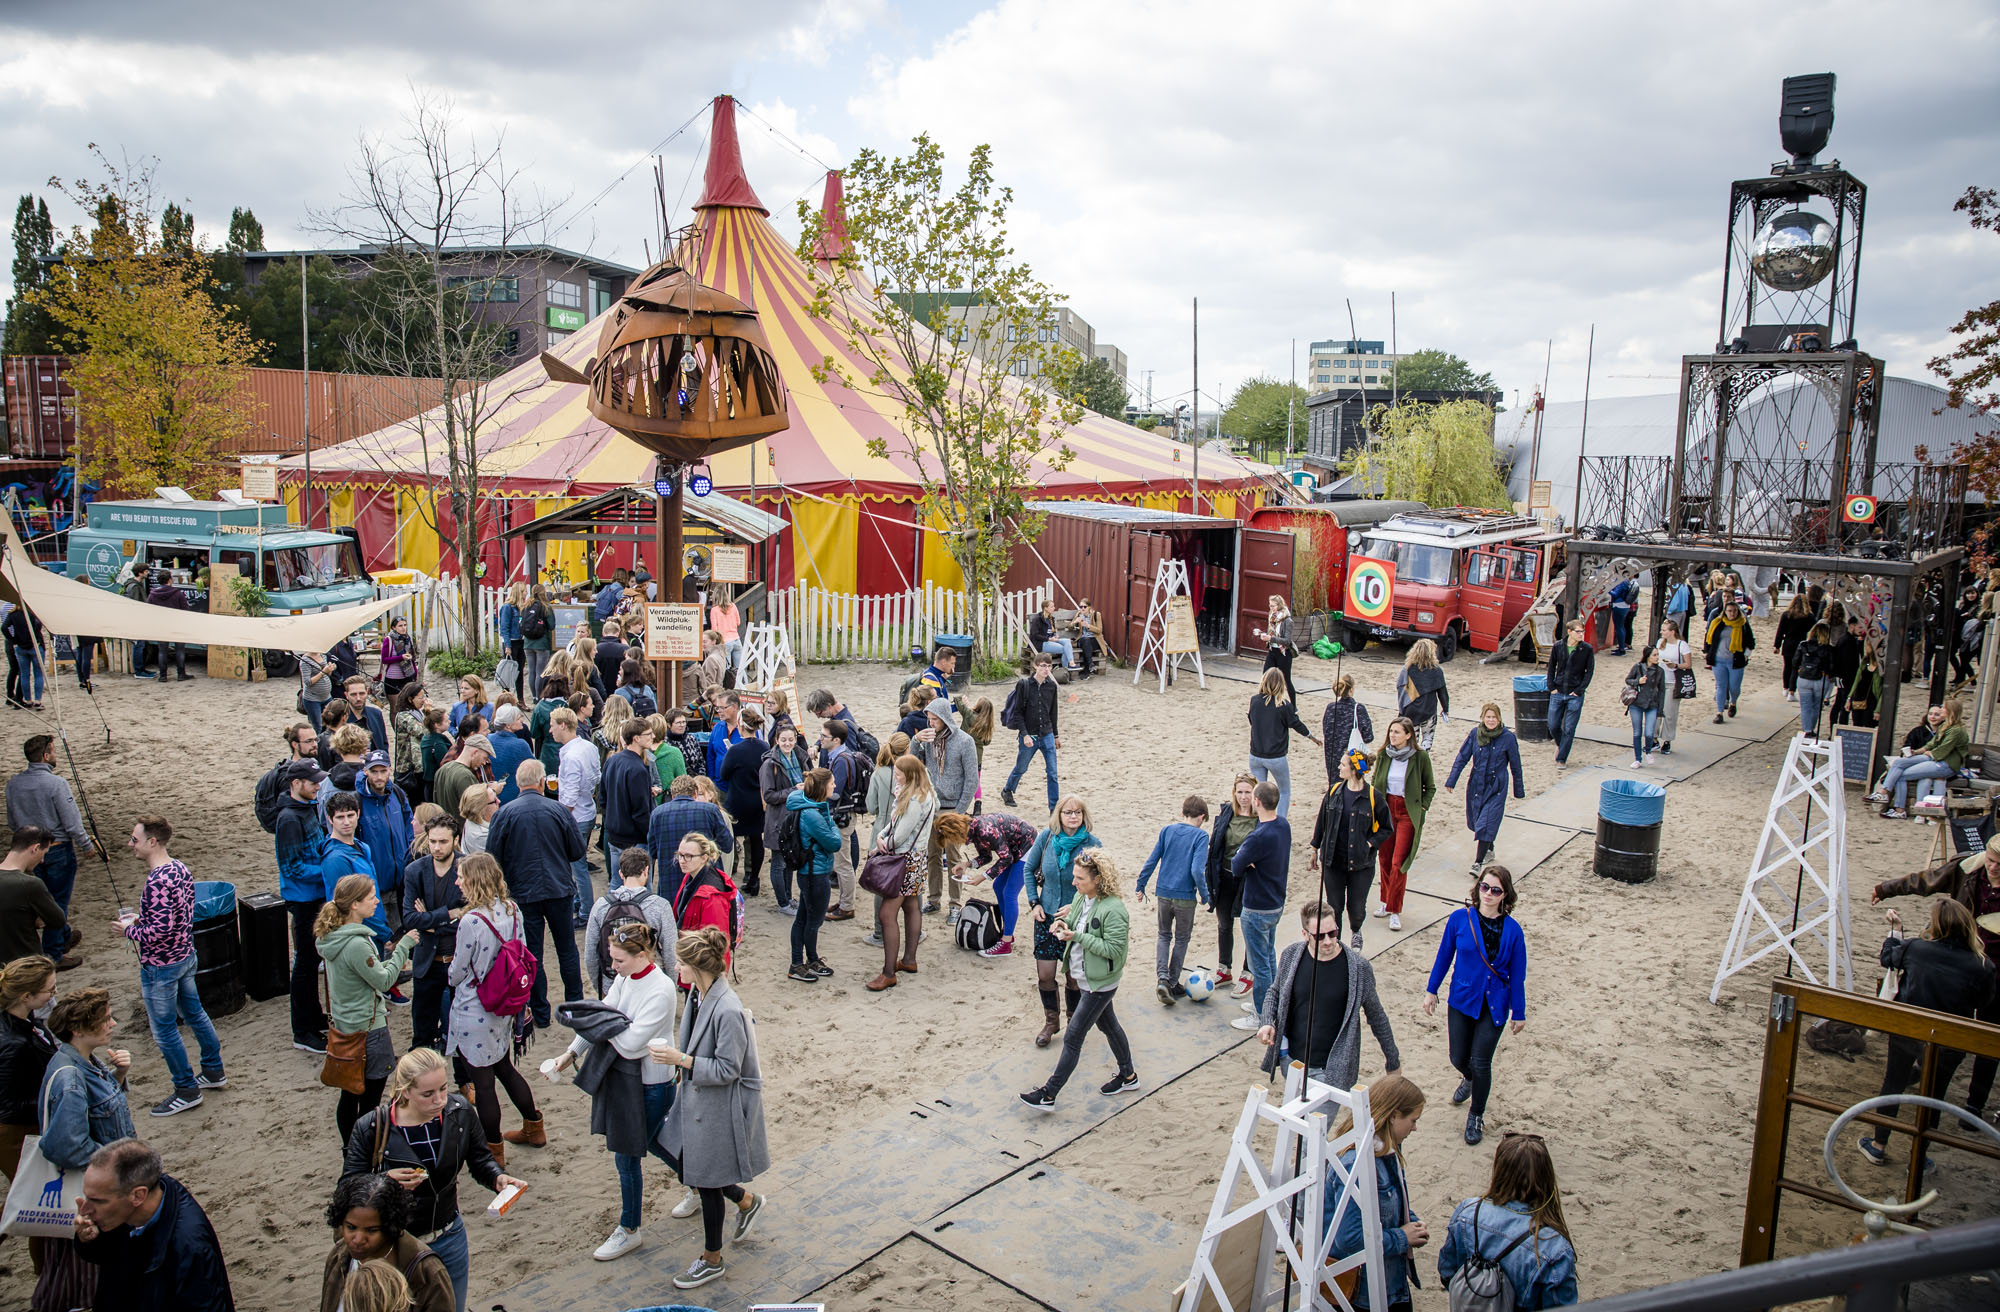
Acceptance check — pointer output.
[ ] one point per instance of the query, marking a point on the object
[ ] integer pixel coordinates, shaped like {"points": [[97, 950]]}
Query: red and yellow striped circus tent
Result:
{"points": [[853, 514]]}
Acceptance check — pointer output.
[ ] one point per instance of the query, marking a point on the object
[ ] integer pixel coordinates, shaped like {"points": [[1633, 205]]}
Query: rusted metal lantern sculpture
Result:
{"points": [[685, 371]]}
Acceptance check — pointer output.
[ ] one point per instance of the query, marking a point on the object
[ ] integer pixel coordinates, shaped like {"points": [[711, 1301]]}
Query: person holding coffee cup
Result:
{"points": [[630, 1094]]}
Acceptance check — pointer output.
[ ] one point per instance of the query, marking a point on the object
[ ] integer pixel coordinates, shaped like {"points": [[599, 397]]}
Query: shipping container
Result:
{"points": [[41, 407], [1110, 554], [1327, 526]]}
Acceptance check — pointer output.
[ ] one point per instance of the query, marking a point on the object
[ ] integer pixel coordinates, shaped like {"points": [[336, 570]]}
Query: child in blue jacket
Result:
{"points": [[1180, 854]]}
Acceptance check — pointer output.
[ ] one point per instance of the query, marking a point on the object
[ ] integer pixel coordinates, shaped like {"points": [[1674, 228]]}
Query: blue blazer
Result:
{"points": [[1475, 987]]}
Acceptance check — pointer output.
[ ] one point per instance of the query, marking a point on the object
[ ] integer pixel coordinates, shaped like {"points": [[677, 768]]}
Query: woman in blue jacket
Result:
{"points": [[508, 621], [1394, 1104], [83, 1100], [1051, 866], [1518, 1224], [812, 801], [1487, 956], [1491, 751]]}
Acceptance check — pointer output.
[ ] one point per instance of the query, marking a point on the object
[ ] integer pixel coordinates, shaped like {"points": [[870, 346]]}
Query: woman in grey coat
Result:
{"points": [[477, 1037], [714, 1131], [1317, 1000]]}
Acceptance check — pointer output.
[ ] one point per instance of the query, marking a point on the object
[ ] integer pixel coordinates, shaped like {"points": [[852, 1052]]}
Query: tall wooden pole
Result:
{"points": [[668, 567]]}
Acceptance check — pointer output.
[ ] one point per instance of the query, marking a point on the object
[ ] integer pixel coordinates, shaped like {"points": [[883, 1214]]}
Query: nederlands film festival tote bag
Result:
{"points": [[41, 1202]]}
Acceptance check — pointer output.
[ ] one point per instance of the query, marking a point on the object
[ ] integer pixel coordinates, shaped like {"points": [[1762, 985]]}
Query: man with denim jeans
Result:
{"points": [[163, 929], [40, 797], [1263, 866], [1037, 702], [1571, 665], [577, 771]]}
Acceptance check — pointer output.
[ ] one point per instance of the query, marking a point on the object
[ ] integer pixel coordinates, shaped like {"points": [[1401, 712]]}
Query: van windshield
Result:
{"points": [[317, 567], [1414, 562]]}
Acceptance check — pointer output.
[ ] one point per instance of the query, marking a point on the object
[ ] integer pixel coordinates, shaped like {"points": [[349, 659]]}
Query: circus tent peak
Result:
{"points": [[724, 184], [832, 243]]}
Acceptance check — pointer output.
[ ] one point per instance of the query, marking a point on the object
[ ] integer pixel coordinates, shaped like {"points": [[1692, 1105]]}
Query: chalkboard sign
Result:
{"points": [[1857, 754]]}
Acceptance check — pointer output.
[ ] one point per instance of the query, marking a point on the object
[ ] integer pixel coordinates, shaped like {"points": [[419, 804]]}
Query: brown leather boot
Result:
{"points": [[532, 1134], [469, 1093], [499, 1151], [1050, 1024]]}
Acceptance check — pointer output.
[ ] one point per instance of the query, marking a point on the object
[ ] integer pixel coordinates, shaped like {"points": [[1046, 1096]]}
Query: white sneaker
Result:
{"points": [[1250, 1007], [689, 1205], [623, 1241], [1381, 912], [1650, 758], [1245, 1023], [1395, 922]]}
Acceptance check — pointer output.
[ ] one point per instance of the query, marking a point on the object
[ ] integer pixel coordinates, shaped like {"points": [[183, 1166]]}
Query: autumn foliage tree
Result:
{"points": [[1971, 371], [158, 370]]}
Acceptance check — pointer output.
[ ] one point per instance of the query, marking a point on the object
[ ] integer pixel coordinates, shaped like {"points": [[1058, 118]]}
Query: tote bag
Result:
{"points": [[41, 1202]]}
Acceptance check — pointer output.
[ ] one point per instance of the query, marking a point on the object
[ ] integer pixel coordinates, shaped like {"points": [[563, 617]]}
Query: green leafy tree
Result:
{"points": [[971, 425], [1441, 455], [177, 231], [1095, 385], [340, 305], [1257, 415], [28, 325], [1435, 370], [158, 369], [245, 233]]}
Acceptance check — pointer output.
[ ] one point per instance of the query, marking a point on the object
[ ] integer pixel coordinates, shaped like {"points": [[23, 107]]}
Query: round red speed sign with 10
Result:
{"points": [[1371, 587]]}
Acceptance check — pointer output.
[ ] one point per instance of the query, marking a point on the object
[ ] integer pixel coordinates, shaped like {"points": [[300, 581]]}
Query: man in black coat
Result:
{"points": [[535, 841], [153, 1246], [432, 904]]}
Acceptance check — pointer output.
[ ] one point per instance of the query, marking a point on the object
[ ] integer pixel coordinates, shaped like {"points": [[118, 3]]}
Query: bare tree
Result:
{"points": [[455, 225]]}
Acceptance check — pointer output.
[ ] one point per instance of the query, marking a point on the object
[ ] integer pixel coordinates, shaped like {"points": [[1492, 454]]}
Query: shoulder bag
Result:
{"points": [[346, 1065], [36, 1204]]}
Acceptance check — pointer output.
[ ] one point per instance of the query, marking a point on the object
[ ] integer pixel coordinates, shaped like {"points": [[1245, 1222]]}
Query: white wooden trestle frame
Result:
{"points": [[766, 648], [1169, 581], [1795, 897], [1303, 1123]]}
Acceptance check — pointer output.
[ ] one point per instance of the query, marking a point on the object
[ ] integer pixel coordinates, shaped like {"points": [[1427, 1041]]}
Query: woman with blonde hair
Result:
{"points": [[1344, 725], [714, 1131], [1942, 758], [358, 980], [880, 800], [538, 625], [1272, 715], [508, 621], [1421, 695], [1095, 932], [1518, 1226], [908, 834], [376, 1286], [1395, 1104], [617, 712], [421, 1137], [1946, 971], [482, 1040], [1280, 646], [475, 811]]}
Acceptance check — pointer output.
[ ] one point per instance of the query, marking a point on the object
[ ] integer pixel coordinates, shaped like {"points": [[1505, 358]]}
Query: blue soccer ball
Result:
{"points": [[1199, 985]]}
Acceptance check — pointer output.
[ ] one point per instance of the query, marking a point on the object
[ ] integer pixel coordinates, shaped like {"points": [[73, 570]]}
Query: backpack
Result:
{"points": [[978, 926], [1423, 707], [640, 699], [793, 849], [1010, 714], [534, 622], [864, 744], [615, 914], [270, 796], [1812, 660], [850, 800], [1481, 1285], [510, 979]]}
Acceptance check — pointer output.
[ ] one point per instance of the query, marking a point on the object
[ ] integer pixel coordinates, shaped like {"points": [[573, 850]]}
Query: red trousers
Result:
{"points": [[1393, 857]]}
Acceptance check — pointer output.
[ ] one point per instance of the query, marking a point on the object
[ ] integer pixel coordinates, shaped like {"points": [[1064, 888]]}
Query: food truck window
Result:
{"points": [[1415, 562], [1525, 563], [247, 567], [317, 567], [183, 561]]}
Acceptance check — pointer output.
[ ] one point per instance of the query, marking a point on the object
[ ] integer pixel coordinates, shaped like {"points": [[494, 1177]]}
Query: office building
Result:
{"points": [[1349, 363], [1113, 356], [966, 319]]}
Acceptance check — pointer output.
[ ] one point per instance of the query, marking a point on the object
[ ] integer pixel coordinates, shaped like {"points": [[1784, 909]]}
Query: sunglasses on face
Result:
{"points": [[1324, 935], [1494, 889]]}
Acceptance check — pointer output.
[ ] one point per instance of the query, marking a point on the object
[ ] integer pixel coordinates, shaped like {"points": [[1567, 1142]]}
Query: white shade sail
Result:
{"points": [[66, 605]]}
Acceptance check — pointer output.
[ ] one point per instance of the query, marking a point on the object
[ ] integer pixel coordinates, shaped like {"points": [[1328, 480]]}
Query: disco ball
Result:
{"points": [[1792, 251]]}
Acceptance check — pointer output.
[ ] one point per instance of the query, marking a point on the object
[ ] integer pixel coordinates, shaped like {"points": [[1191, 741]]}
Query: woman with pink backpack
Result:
{"points": [[490, 974]]}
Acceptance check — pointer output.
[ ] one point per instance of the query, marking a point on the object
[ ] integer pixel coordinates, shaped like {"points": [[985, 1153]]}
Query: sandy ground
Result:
{"points": [[1643, 1089]]}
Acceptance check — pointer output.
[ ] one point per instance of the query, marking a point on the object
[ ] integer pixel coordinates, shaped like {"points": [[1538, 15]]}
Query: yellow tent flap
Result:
{"points": [[824, 542]]}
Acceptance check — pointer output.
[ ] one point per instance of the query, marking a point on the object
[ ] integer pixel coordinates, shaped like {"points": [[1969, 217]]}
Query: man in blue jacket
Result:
{"points": [[1263, 865], [152, 1245], [388, 828], [342, 855], [510, 748], [300, 835], [536, 842]]}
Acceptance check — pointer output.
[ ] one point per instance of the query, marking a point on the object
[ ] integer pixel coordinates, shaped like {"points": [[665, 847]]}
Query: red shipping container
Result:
{"points": [[41, 407]]}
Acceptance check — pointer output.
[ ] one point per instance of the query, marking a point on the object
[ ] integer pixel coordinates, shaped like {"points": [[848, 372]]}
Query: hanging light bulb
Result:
{"points": [[689, 369]]}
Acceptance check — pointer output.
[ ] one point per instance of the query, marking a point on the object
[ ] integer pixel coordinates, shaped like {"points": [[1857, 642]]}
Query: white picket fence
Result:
{"points": [[826, 627], [837, 626]]}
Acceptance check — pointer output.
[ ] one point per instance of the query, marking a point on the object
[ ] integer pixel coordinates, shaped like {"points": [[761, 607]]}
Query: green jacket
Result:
{"points": [[669, 764], [1103, 941], [1419, 791], [356, 978], [1951, 746]]}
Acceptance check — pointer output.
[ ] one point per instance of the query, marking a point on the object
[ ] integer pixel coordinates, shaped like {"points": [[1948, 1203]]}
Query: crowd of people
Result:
{"points": [[442, 858]]}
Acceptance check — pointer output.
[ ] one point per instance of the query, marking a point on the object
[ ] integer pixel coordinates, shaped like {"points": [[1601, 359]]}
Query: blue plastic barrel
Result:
{"points": [[1630, 820], [213, 898], [1531, 707]]}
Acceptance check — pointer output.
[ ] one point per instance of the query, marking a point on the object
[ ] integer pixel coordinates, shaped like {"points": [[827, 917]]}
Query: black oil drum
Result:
{"points": [[1629, 854]]}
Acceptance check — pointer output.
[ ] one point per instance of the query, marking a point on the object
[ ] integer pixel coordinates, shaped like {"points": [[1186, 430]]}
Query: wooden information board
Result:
{"points": [[1181, 636], [260, 481], [1539, 493], [673, 632], [729, 564]]}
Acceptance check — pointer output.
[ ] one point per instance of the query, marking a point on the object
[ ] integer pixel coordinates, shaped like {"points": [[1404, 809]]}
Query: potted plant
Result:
{"points": [[252, 600]]}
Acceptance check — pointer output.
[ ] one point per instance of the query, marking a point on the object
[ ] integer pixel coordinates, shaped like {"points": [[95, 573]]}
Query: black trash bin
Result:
{"points": [[218, 950], [1630, 817], [264, 926], [1531, 707]]}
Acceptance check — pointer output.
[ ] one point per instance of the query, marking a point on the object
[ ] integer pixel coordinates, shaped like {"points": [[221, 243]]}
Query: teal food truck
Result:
{"points": [[305, 571]]}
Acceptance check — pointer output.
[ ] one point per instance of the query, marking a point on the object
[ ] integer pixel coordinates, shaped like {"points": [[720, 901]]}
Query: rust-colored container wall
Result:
{"points": [[1086, 558], [41, 408]]}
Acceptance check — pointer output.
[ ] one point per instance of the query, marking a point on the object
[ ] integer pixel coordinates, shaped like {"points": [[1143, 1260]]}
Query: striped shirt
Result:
{"points": [[164, 931]]}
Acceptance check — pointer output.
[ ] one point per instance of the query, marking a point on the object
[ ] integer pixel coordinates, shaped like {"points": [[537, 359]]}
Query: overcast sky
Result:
{"points": [[1514, 173]]}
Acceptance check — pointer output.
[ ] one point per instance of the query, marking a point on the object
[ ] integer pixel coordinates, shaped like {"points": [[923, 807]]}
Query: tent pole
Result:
{"points": [[669, 567]]}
